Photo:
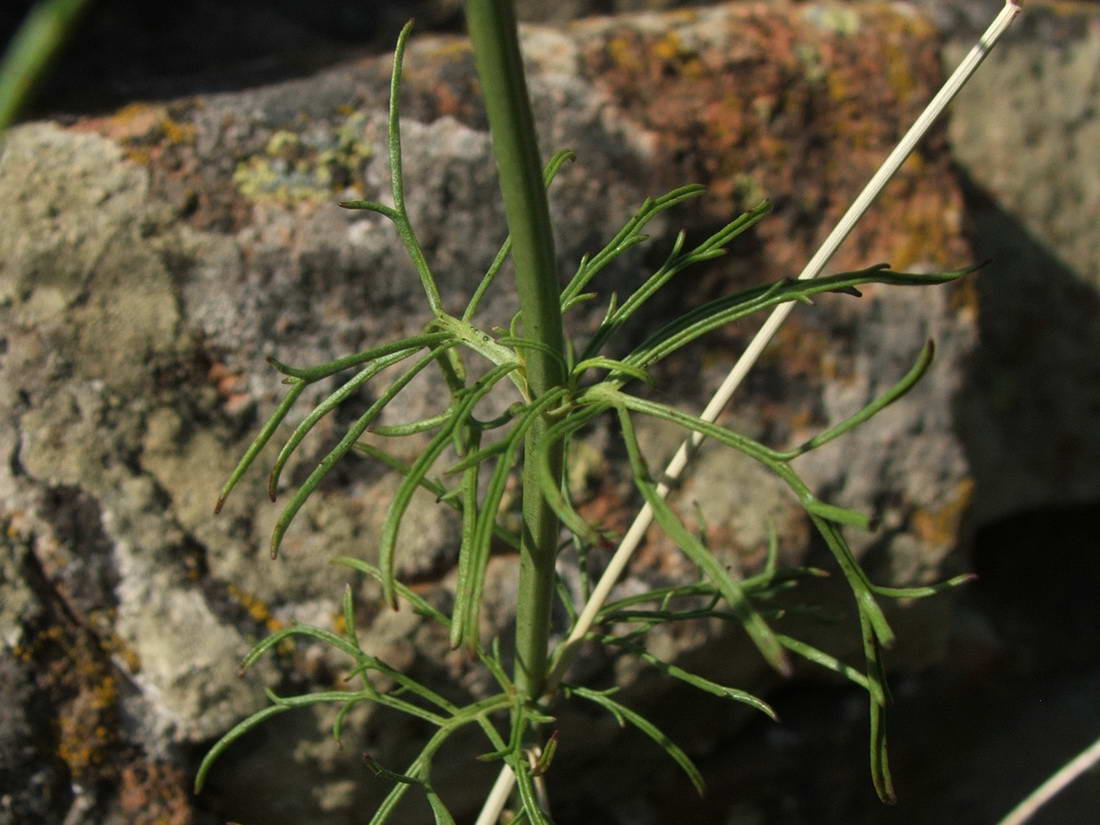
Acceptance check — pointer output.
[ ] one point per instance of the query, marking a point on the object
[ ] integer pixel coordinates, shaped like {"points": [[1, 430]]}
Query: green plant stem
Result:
{"points": [[43, 32], [495, 39]]}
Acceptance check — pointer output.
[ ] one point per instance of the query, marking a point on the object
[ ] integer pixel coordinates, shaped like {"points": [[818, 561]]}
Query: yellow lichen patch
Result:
{"points": [[176, 132], [86, 725], [71, 665], [667, 48], [293, 168], [941, 526], [117, 647], [450, 48], [623, 53], [257, 608], [38, 643]]}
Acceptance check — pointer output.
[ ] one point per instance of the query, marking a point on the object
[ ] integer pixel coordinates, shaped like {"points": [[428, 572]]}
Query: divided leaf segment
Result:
{"points": [[561, 389]]}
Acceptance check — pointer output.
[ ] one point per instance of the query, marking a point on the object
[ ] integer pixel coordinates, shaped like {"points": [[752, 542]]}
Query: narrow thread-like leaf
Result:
{"points": [[346, 443], [550, 485], [324, 408], [923, 362], [754, 624], [559, 159], [693, 679], [260, 441], [471, 578], [419, 469], [311, 374], [621, 712]]}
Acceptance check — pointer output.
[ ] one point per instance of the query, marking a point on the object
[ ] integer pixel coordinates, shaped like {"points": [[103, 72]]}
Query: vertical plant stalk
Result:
{"points": [[490, 812], [495, 39], [43, 32]]}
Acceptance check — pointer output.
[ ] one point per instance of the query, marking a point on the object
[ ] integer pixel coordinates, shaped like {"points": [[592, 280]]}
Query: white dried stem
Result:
{"points": [[1054, 785]]}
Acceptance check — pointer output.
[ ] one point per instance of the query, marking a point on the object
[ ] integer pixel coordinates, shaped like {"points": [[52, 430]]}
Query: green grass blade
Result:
{"points": [[857, 579], [482, 455], [714, 314], [326, 636], [439, 810], [606, 394], [419, 604], [674, 264], [441, 493], [347, 611], [372, 206], [397, 179], [879, 698], [599, 362], [820, 657], [413, 776], [770, 458], [548, 482], [525, 786], [660, 594], [423, 425], [742, 223], [922, 592], [234, 733], [629, 235], [29, 52]]}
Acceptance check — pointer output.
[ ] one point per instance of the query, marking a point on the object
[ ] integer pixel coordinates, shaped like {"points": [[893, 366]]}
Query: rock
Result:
{"points": [[152, 259], [1034, 390]]}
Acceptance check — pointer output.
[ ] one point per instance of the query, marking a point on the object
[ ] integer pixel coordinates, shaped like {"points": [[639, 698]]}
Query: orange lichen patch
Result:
{"points": [[142, 126], [440, 81], [133, 121], [659, 555], [804, 111], [231, 386], [154, 793], [115, 646], [941, 526], [807, 352], [86, 726]]}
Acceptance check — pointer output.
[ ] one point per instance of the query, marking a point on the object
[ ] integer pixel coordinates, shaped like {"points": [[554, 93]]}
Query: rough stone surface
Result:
{"points": [[1030, 411], [152, 258]]}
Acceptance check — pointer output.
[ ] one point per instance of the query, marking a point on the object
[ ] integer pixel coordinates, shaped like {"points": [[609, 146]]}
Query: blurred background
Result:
{"points": [[201, 143]]}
